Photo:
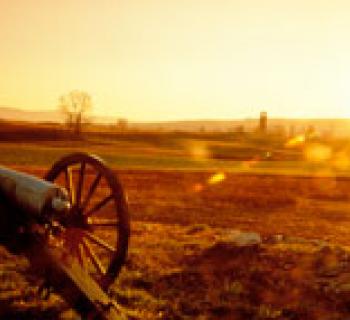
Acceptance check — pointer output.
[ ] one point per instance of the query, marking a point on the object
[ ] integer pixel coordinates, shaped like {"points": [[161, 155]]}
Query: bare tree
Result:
{"points": [[75, 105]]}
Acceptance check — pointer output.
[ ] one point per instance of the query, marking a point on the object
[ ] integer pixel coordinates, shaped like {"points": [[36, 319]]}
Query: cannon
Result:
{"points": [[73, 226]]}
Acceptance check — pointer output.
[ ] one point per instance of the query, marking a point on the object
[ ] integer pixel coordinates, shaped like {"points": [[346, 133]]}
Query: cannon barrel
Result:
{"points": [[49, 222], [30, 193]]}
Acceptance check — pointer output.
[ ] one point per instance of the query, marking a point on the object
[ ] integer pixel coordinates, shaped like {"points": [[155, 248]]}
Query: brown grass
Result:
{"points": [[177, 268]]}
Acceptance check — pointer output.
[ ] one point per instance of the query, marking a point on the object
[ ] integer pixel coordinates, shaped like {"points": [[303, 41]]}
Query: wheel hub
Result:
{"points": [[75, 219]]}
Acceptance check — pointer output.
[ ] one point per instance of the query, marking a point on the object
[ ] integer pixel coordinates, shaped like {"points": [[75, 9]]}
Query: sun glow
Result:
{"points": [[165, 60]]}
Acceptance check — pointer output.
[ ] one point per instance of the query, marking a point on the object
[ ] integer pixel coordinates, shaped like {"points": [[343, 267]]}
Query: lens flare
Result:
{"points": [[341, 161], [217, 178], [198, 150], [251, 162], [212, 180], [198, 187], [318, 152], [296, 141]]}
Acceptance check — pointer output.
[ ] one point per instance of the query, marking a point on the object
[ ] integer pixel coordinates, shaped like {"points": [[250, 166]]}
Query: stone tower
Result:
{"points": [[263, 122]]}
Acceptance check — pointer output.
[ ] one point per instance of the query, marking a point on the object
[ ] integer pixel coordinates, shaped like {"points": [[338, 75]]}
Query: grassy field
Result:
{"points": [[227, 152], [188, 194]]}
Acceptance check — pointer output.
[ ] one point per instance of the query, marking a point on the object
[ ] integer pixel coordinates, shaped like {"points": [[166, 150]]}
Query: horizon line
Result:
{"points": [[116, 117]]}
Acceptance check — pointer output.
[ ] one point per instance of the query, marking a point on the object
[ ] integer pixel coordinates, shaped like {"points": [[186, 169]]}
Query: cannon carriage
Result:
{"points": [[73, 226]]}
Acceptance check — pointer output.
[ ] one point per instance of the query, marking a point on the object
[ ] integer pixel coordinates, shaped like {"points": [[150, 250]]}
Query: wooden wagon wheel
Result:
{"points": [[96, 228]]}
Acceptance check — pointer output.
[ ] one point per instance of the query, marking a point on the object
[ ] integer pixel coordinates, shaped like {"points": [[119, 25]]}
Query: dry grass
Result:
{"points": [[179, 266]]}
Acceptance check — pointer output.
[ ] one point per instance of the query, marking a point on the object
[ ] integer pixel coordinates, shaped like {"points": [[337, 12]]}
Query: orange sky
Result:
{"points": [[179, 59]]}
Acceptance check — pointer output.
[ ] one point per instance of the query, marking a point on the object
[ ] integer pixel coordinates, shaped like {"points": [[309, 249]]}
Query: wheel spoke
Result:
{"points": [[82, 255], [94, 259], [99, 205], [69, 183], [66, 181], [79, 255], [91, 191], [99, 242], [80, 183], [101, 222]]}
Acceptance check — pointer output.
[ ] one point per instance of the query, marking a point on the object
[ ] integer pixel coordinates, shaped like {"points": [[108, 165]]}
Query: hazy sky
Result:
{"points": [[179, 59]]}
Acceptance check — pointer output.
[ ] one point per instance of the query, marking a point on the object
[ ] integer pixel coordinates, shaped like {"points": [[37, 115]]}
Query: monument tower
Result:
{"points": [[263, 122]]}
